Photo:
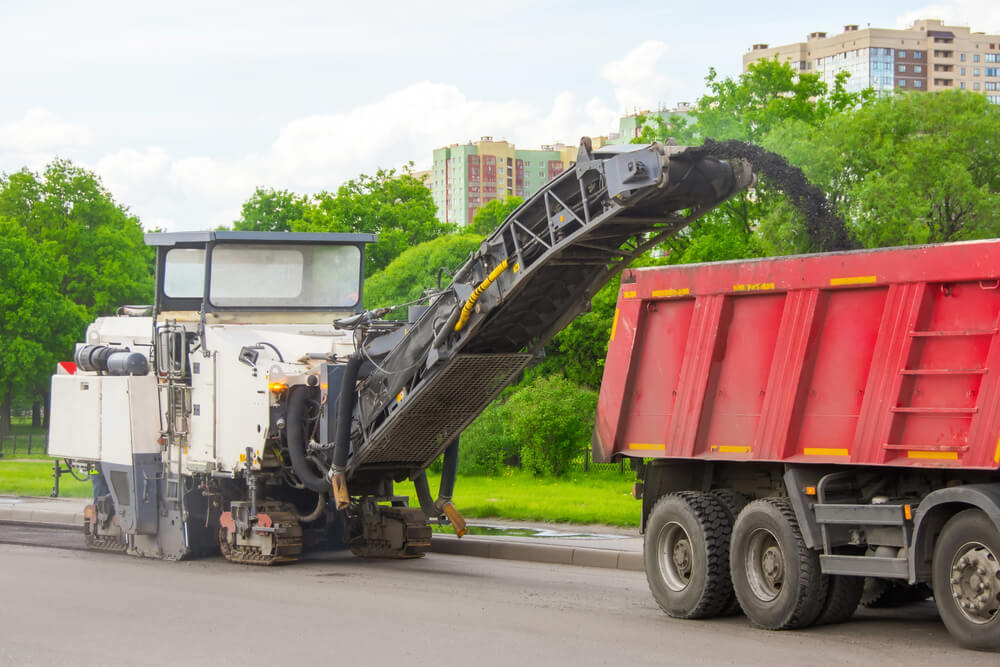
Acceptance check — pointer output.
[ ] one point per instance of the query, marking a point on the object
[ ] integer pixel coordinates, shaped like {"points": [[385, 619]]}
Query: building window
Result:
{"points": [[975, 86], [975, 57], [918, 55], [990, 85], [962, 57], [961, 70], [902, 68], [918, 69], [975, 71], [962, 85], [918, 83], [993, 71], [902, 54], [902, 83]]}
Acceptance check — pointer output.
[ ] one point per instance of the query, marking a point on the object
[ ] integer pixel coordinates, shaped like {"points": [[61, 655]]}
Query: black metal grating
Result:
{"points": [[427, 421]]}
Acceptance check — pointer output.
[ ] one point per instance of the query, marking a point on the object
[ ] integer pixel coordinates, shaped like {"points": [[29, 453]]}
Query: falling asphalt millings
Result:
{"points": [[826, 229]]}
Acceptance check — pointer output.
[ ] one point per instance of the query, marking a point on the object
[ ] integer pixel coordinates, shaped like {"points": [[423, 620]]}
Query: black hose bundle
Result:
{"points": [[295, 433]]}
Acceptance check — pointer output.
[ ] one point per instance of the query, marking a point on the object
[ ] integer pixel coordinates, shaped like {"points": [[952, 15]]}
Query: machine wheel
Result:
{"points": [[966, 571], [776, 577], [686, 554], [734, 502]]}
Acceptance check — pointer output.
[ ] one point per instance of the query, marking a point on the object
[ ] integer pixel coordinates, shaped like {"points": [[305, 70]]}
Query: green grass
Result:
{"points": [[34, 478], [599, 497], [583, 498]]}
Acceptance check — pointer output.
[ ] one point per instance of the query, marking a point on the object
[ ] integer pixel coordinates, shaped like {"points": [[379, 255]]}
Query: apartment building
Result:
{"points": [[927, 56], [630, 128], [464, 177]]}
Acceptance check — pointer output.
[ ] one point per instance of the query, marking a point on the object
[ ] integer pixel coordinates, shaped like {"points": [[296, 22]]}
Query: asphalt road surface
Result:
{"points": [[61, 606]]}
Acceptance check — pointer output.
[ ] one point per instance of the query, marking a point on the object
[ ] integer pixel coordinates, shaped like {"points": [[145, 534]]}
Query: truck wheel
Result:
{"points": [[686, 554], [842, 599], [967, 579], [734, 502], [776, 577]]}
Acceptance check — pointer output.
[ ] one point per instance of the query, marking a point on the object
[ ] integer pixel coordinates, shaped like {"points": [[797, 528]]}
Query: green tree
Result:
{"points": [[910, 168], [493, 213], [416, 269], [769, 95], [396, 206], [107, 262], [38, 325], [270, 210]]}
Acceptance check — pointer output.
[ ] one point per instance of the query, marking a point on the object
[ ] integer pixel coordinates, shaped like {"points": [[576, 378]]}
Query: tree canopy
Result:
{"points": [[493, 213], [394, 205], [270, 210], [38, 324], [416, 269], [67, 207]]}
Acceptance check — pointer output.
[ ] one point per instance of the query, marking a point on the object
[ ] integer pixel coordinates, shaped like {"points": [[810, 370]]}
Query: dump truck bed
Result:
{"points": [[884, 357]]}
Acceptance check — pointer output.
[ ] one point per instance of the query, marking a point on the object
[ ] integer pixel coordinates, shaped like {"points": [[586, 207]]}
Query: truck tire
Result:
{"points": [[686, 553], [842, 599], [734, 502], [776, 577], [966, 575], [888, 593]]}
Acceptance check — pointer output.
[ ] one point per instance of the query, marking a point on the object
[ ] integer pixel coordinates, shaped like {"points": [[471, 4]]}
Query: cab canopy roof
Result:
{"points": [[204, 238]]}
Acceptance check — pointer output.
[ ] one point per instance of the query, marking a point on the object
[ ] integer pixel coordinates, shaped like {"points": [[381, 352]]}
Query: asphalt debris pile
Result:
{"points": [[826, 229]]}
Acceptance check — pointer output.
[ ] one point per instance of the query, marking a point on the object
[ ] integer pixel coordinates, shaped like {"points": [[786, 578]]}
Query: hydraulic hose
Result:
{"points": [[317, 512], [296, 434], [445, 490], [342, 439], [449, 471], [345, 409], [423, 489]]}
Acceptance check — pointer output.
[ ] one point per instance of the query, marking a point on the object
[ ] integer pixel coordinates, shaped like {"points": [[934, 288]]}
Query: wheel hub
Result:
{"points": [[975, 582], [765, 565], [773, 565], [676, 556]]}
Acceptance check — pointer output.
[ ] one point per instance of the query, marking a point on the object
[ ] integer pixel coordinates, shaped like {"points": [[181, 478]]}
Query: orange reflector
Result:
{"points": [[907, 512], [277, 387], [810, 490]]}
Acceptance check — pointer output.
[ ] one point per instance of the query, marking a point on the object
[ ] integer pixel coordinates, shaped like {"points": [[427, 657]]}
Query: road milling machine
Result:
{"points": [[256, 408]]}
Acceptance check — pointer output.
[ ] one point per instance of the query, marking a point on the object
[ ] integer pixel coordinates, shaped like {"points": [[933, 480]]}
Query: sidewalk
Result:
{"points": [[564, 544]]}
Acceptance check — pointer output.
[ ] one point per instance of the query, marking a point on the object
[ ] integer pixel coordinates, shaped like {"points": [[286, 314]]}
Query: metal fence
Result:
{"points": [[24, 444]]}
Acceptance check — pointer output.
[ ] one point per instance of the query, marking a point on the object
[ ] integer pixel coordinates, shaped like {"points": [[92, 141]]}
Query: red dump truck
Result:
{"points": [[800, 423]]}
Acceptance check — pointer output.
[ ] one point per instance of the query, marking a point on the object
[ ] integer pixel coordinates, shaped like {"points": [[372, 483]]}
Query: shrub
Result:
{"points": [[551, 418], [487, 445]]}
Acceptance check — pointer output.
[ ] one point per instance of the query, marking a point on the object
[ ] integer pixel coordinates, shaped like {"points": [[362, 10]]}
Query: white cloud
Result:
{"points": [[41, 134], [321, 151], [639, 79], [980, 15]]}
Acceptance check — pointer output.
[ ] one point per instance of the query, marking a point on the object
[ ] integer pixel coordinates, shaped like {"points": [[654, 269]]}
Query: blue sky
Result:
{"points": [[183, 109]]}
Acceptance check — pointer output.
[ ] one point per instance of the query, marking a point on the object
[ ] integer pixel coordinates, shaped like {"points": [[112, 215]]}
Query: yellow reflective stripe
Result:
{"points": [[853, 280], [731, 449], [671, 292], [629, 295], [948, 456], [614, 325], [753, 287], [825, 451], [646, 445], [996, 454]]}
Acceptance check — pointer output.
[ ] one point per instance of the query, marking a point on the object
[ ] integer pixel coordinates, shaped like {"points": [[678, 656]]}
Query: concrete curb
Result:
{"points": [[538, 553], [481, 547]]}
